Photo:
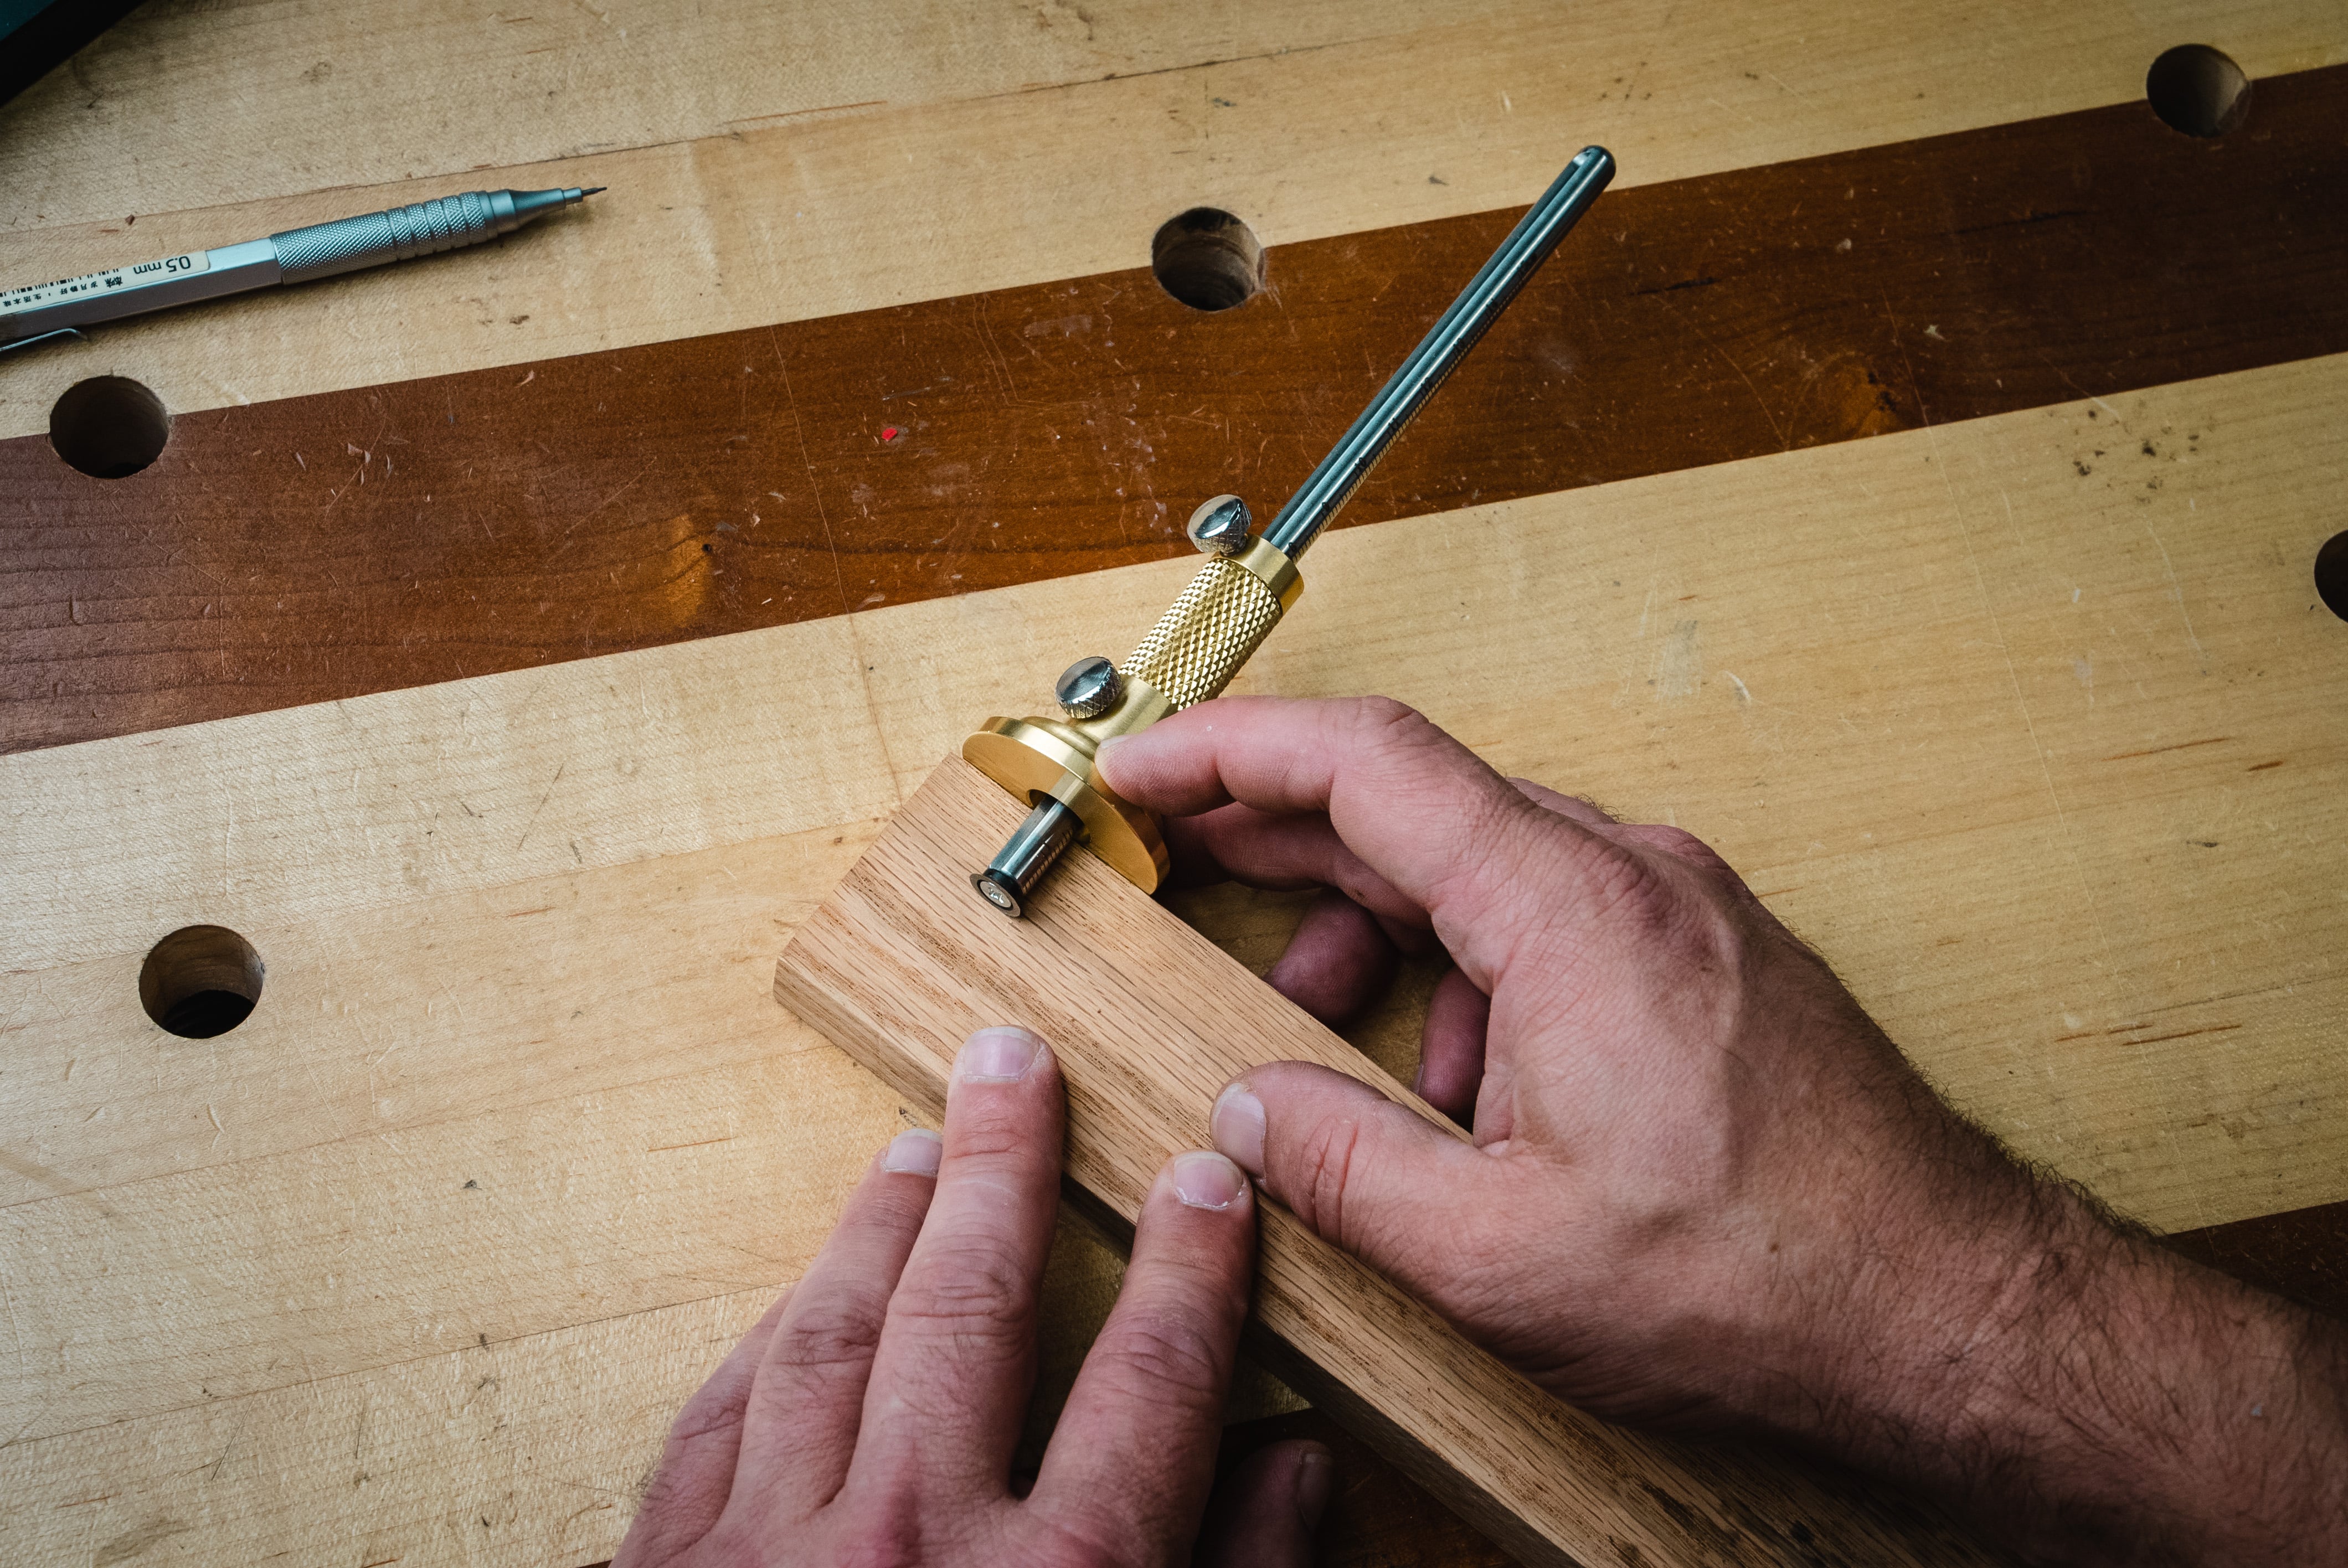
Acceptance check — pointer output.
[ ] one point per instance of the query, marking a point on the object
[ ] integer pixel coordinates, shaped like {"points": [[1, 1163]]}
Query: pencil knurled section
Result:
{"points": [[323, 249], [447, 223], [422, 230], [1200, 645]]}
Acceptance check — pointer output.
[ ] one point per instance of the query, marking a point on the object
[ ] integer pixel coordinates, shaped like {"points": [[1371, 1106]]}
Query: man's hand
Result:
{"points": [[1706, 1192], [869, 1417]]}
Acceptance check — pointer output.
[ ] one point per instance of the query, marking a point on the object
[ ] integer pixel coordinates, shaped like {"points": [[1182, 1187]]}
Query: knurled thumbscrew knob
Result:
{"points": [[1090, 688], [1220, 527]]}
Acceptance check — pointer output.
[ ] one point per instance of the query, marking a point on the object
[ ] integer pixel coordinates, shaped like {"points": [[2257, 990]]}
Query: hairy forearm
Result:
{"points": [[2092, 1398]]}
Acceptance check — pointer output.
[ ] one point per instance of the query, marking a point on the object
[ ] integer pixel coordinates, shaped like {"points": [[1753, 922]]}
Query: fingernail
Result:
{"points": [[1101, 757], [996, 1056], [915, 1153], [1316, 1477], [1237, 1122], [1206, 1181]]}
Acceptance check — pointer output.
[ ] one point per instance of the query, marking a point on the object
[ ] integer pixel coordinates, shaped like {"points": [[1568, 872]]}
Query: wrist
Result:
{"points": [[2092, 1397]]}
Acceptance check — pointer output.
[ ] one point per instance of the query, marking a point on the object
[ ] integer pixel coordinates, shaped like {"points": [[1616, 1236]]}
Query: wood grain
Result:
{"points": [[366, 1466], [325, 546], [1148, 1021], [512, 915]]}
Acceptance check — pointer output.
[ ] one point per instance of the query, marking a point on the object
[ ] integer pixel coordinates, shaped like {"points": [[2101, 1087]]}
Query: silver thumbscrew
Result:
{"points": [[1220, 527], [1090, 688]]}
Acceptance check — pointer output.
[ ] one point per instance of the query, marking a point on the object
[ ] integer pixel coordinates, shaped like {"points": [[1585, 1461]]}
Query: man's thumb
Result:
{"points": [[1375, 1177]]}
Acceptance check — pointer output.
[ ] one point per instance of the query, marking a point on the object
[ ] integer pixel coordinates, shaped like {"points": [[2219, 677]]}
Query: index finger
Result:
{"points": [[1420, 809]]}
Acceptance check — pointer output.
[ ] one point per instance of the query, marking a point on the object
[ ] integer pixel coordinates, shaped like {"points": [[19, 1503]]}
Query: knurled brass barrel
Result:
{"points": [[1221, 619]]}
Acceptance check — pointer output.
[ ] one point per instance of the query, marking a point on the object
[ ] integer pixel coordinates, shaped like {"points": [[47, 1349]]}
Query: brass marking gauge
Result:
{"points": [[1200, 645]]}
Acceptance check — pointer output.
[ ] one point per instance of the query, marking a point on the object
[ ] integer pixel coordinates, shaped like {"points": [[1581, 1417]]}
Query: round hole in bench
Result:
{"points": [[2332, 575], [108, 426], [199, 981], [1207, 259], [2195, 89]]}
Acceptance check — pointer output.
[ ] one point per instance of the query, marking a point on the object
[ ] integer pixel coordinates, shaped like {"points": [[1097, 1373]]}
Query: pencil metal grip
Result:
{"points": [[425, 229]]}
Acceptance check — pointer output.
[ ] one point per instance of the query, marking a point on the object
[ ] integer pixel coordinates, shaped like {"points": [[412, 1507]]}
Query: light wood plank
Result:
{"points": [[369, 1251], [325, 810], [362, 1469], [375, 1018], [1376, 116]]}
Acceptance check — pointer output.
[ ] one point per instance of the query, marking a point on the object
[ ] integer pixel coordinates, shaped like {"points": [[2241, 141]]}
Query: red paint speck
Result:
{"points": [[891, 433]]}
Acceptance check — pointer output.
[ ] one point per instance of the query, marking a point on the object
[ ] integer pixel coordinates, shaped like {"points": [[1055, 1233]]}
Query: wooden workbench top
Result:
{"points": [[1910, 477]]}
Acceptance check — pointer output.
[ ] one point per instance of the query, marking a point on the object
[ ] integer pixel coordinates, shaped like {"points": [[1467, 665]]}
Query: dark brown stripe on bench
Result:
{"points": [[328, 545]]}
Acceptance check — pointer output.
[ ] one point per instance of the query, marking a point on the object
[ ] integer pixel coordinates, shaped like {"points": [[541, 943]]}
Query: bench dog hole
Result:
{"points": [[2195, 89], [2332, 575], [199, 981], [108, 426], [1207, 259]]}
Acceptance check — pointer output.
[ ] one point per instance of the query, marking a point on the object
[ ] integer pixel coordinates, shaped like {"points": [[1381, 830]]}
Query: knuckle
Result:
{"points": [[697, 1421], [1671, 840], [1624, 887], [885, 1537], [1679, 843], [1388, 729], [828, 1334], [809, 1355], [1679, 923], [1067, 1543], [970, 1288], [993, 1126], [1376, 716], [1325, 1173], [1162, 1356]]}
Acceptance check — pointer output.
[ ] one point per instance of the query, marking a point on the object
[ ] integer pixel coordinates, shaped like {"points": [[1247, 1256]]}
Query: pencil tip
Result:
{"points": [[592, 190]]}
